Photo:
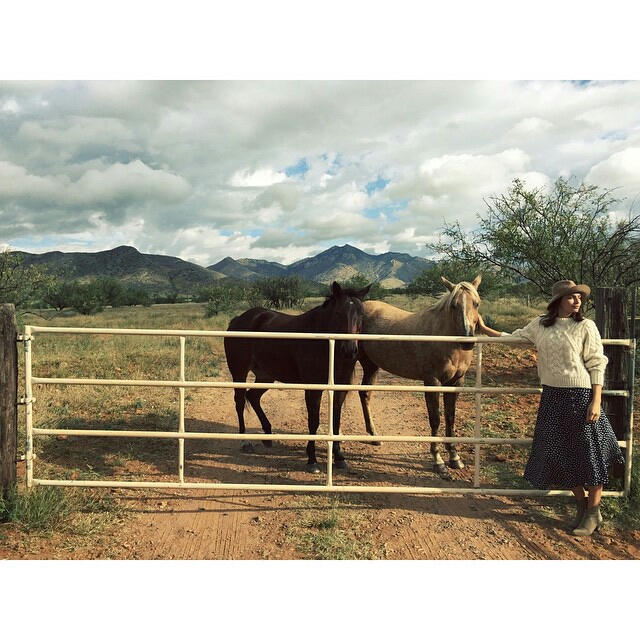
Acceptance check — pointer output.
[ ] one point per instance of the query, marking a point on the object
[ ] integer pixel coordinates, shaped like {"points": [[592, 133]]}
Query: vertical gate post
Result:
{"points": [[612, 321], [8, 399]]}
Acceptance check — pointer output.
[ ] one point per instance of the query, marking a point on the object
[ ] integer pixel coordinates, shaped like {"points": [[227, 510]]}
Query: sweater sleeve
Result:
{"points": [[593, 353], [529, 332]]}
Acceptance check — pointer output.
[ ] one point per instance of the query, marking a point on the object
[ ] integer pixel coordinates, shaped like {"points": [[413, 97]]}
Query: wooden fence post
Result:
{"points": [[612, 321], [8, 399]]}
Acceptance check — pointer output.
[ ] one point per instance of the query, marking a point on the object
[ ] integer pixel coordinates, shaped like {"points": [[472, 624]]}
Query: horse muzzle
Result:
{"points": [[349, 349]]}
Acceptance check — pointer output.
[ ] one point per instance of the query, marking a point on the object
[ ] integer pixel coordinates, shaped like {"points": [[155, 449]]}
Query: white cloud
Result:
{"points": [[256, 178], [266, 169], [17, 184], [115, 184], [283, 196], [468, 173], [9, 105], [134, 181], [619, 171], [533, 126], [76, 131]]}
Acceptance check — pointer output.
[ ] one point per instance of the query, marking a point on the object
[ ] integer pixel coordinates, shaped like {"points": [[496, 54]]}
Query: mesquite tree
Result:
{"points": [[538, 236], [20, 285]]}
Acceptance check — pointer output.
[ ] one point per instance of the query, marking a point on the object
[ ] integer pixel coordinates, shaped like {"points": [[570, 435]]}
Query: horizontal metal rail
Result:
{"points": [[330, 387], [172, 435], [177, 333], [116, 382], [314, 488]]}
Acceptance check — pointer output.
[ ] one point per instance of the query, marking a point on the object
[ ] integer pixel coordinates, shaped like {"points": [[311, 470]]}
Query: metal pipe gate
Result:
{"points": [[181, 435]]}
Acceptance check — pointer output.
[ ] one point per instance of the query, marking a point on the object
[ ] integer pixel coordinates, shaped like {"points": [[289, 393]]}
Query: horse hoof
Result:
{"points": [[375, 443], [341, 464], [313, 468], [442, 471], [247, 447], [456, 464], [267, 443], [445, 474]]}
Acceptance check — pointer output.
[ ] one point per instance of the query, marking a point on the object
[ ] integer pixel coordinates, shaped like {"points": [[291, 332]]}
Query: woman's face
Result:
{"points": [[570, 304]]}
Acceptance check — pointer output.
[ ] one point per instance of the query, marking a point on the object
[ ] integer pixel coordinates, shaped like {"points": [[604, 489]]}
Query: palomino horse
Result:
{"points": [[435, 363], [297, 361]]}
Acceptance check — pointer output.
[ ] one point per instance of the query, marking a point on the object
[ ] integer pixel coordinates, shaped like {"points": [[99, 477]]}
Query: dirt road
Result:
{"points": [[254, 525]]}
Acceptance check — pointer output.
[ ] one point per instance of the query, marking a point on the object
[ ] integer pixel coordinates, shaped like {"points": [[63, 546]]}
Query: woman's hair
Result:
{"points": [[548, 320]]}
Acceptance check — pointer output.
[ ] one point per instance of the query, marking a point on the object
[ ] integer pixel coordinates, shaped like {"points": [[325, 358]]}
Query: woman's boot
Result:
{"points": [[581, 507], [591, 522]]}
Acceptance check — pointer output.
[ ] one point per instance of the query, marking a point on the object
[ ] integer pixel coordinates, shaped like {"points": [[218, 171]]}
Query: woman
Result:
{"points": [[573, 442]]}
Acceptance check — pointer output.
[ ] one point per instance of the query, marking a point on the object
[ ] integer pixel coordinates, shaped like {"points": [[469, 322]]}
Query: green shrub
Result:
{"points": [[220, 299]]}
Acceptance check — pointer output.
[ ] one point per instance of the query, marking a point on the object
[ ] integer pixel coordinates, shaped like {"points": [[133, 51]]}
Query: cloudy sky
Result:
{"points": [[280, 169]]}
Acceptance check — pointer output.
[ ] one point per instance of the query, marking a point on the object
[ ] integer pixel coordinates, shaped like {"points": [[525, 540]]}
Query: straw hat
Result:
{"points": [[566, 287]]}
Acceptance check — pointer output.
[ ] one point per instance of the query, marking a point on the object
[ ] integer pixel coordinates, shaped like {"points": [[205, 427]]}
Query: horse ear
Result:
{"points": [[363, 292], [447, 284], [477, 281], [335, 288]]}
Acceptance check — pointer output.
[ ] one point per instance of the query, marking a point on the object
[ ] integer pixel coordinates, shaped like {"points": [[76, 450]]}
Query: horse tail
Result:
{"points": [[248, 408]]}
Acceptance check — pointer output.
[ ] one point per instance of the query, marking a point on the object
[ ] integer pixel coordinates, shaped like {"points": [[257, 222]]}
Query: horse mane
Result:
{"points": [[448, 297]]}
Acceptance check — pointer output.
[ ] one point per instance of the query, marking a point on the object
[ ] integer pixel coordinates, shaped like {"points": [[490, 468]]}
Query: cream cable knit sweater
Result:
{"points": [[569, 353]]}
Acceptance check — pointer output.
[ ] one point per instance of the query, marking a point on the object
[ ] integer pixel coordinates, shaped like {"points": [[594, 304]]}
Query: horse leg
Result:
{"points": [[238, 355], [240, 401], [433, 409], [370, 375], [449, 418], [312, 399], [254, 396], [338, 401]]}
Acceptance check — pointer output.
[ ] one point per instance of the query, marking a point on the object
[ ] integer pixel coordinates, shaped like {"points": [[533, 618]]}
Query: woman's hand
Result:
{"points": [[593, 412]]}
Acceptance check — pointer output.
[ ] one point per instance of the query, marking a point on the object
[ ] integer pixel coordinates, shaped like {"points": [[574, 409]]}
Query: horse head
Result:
{"points": [[346, 312], [463, 301]]}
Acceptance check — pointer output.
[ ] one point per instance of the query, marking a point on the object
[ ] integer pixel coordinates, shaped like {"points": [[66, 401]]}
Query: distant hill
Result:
{"points": [[390, 269], [248, 269], [152, 273], [159, 274]]}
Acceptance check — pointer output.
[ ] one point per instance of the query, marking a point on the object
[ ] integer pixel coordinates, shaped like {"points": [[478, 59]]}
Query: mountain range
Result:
{"points": [[390, 270], [159, 273]]}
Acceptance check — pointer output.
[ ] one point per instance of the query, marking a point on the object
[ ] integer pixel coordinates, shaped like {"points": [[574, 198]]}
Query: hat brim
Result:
{"points": [[584, 289]]}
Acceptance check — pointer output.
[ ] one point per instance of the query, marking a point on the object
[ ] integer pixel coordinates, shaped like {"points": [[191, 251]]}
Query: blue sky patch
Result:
{"points": [[299, 169], [336, 164], [376, 185], [389, 210]]}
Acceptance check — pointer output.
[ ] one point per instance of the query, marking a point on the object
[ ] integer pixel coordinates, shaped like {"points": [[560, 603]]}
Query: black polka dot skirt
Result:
{"points": [[566, 451]]}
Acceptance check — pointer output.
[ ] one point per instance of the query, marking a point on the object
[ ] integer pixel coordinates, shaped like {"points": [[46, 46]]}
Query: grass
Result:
{"points": [[326, 529], [625, 514], [46, 509], [42, 509], [122, 357]]}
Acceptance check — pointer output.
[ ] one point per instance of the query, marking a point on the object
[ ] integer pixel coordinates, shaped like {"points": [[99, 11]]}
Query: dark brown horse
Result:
{"points": [[297, 361], [435, 363]]}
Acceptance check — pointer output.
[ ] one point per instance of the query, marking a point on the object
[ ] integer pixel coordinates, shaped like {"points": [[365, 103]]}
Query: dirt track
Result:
{"points": [[180, 524], [254, 525]]}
